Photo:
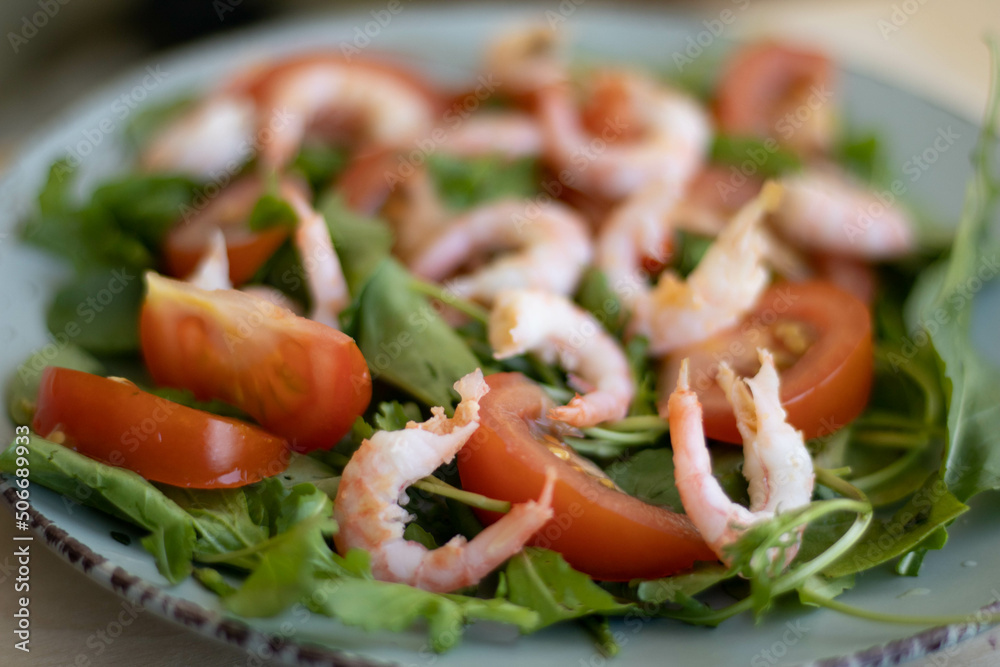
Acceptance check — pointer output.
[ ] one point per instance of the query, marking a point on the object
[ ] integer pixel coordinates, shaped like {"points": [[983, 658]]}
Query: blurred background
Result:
{"points": [[55, 50]]}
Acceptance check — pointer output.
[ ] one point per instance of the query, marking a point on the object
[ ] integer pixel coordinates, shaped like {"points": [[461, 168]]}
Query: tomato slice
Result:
{"points": [[114, 421], [598, 529], [774, 90], [300, 379], [821, 339], [229, 211]]}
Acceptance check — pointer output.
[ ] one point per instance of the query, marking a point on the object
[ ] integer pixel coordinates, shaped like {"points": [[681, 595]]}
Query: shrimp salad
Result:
{"points": [[574, 362]]}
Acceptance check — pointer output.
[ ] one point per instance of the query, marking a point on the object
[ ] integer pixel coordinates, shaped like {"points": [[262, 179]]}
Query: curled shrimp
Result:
{"points": [[368, 512], [724, 286], [206, 140], [552, 248], [649, 133], [825, 211], [324, 275], [554, 328], [386, 106], [510, 134], [776, 463]]}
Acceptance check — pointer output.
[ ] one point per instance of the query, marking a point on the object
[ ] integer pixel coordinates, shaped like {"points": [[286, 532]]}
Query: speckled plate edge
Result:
{"points": [[232, 631]]}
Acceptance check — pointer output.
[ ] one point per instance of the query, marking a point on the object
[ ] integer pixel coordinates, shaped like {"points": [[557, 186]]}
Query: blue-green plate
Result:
{"points": [[449, 42]]}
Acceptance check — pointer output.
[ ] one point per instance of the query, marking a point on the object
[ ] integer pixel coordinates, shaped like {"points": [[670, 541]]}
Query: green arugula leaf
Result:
{"points": [[321, 164], [406, 342], [376, 605], [361, 242], [931, 508], [222, 521], [596, 297], [116, 491], [99, 310], [770, 159], [22, 387], [543, 581], [393, 415], [467, 182], [680, 587], [942, 308], [271, 210]]}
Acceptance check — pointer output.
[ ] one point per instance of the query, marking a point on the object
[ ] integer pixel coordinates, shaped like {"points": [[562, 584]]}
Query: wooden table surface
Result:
{"points": [[936, 51]]}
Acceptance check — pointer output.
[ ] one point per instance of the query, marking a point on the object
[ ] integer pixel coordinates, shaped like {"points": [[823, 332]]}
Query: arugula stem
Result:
{"points": [[892, 439], [636, 438], [882, 475], [932, 394], [442, 488], [473, 310], [604, 639], [981, 617], [637, 423]]}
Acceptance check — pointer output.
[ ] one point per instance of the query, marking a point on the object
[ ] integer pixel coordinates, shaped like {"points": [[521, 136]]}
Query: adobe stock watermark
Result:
{"points": [[120, 109], [914, 167], [900, 15], [31, 24], [714, 28]]}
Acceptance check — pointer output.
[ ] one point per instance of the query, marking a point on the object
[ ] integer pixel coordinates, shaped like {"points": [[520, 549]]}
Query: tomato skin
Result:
{"points": [[229, 211], [766, 81], [116, 422], [824, 390], [299, 379], [598, 530]]}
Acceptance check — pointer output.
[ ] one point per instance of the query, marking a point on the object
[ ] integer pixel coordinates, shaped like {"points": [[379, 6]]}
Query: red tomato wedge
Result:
{"points": [[302, 380], [598, 529], [821, 339], [114, 421], [778, 91], [229, 211]]}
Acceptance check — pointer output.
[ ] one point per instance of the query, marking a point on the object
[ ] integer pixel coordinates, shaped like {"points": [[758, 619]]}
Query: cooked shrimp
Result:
{"points": [[663, 136], [725, 284], [324, 276], [825, 211], [368, 512], [527, 60], [389, 108], [212, 271], [205, 141], [777, 464], [510, 134], [552, 242], [554, 328]]}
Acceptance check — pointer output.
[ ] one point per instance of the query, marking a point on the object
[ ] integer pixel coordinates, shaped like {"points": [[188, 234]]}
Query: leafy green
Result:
{"points": [[863, 155], [596, 297], [766, 157], [271, 210], [923, 514], [393, 415], [543, 581], [681, 587], [376, 605], [287, 568], [361, 242], [116, 491], [690, 248], [89, 238], [22, 387], [467, 182], [186, 397], [99, 311], [406, 342], [320, 164], [221, 520]]}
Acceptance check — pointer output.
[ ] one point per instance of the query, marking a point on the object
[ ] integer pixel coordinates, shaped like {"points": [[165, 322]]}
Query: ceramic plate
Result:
{"points": [[448, 41]]}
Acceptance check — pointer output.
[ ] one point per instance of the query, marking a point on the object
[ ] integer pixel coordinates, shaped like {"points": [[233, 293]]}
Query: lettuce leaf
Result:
{"points": [[116, 491]]}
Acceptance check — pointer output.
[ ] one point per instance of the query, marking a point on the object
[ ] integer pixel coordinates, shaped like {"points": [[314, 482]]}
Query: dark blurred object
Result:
{"points": [[165, 23]]}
